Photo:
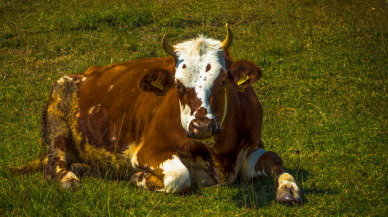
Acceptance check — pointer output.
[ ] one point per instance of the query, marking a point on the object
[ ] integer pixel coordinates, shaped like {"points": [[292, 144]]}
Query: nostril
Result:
{"points": [[190, 134]]}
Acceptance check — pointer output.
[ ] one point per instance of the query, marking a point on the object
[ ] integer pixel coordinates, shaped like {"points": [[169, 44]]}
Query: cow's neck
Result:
{"points": [[226, 149]]}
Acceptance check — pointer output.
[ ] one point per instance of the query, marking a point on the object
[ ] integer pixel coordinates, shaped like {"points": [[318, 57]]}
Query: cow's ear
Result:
{"points": [[244, 73], [158, 81]]}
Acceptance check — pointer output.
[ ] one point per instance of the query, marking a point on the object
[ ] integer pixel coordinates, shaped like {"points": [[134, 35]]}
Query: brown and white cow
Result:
{"points": [[166, 123]]}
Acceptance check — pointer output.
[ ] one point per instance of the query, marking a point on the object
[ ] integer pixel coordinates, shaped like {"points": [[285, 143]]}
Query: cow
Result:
{"points": [[163, 123]]}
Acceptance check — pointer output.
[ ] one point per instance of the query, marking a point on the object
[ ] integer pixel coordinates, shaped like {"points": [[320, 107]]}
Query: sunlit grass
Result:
{"points": [[324, 94]]}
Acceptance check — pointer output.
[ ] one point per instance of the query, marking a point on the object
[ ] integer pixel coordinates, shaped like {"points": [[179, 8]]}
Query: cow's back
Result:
{"points": [[108, 112]]}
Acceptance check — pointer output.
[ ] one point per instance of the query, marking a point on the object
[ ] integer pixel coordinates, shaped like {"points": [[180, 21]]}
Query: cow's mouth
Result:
{"points": [[202, 135], [208, 141], [202, 129]]}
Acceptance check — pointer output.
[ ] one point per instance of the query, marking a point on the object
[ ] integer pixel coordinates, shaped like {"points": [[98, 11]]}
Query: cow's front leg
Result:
{"points": [[170, 176], [262, 163]]}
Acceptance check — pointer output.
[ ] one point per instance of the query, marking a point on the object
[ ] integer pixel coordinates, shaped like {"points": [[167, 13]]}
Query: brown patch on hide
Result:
{"points": [[153, 183], [202, 112], [188, 97], [271, 163], [208, 67]]}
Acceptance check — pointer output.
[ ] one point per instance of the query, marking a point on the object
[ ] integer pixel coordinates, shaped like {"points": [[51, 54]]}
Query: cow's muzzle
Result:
{"points": [[202, 128]]}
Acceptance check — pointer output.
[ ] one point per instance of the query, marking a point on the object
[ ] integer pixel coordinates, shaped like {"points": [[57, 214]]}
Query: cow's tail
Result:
{"points": [[35, 165]]}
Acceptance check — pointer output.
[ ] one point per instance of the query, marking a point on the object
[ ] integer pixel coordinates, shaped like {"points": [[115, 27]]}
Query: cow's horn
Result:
{"points": [[167, 47], [228, 40]]}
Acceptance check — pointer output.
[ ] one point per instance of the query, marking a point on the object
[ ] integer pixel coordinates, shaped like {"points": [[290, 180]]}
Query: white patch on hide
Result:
{"points": [[248, 171], [176, 175]]}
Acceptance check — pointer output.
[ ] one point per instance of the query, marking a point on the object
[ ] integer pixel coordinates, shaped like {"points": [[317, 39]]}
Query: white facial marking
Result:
{"points": [[176, 175], [195, 55]]}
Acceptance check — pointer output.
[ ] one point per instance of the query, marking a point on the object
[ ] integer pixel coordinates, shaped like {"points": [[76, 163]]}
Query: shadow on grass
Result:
{"points": [[262, 192], [259, 193]]}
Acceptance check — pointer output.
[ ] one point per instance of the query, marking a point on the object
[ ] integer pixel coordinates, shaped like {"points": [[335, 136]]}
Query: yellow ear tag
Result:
{"points": [[242, 80], [157, 84]]}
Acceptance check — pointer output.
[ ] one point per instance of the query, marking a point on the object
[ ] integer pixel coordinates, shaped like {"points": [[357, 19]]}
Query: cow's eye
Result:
{"points": [[179, 87]]}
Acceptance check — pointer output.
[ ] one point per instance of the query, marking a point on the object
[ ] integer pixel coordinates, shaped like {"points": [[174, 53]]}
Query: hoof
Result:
{"points": [[69, 181], [286, 195], [288, 191], [136, 178]]}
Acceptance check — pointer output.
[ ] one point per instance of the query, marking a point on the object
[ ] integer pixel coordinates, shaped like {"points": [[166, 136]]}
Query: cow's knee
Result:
{"points": [[249, 169], [177, 179], [270, 164]]}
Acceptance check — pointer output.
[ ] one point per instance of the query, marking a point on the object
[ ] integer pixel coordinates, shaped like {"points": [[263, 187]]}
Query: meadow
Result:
{"points": [[324, 93]]}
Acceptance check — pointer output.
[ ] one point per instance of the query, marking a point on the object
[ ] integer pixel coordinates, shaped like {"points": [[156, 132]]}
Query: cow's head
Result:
{"points": [[203, 72]]}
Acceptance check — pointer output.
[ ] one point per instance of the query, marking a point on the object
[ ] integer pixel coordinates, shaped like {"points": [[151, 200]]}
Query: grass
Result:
{"points": [[324, 94]]}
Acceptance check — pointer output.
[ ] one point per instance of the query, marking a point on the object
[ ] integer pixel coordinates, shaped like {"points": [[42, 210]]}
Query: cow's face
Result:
{"points": [[202, 75], [200, 82]]}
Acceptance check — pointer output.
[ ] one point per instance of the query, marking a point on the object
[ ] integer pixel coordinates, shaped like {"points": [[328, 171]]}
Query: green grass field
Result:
{"points": [[324, 93]]}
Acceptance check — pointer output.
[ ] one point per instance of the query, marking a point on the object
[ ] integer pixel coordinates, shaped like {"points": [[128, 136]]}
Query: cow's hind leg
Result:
{"points": [[57, 167], [262, 163], [59, 110]]}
